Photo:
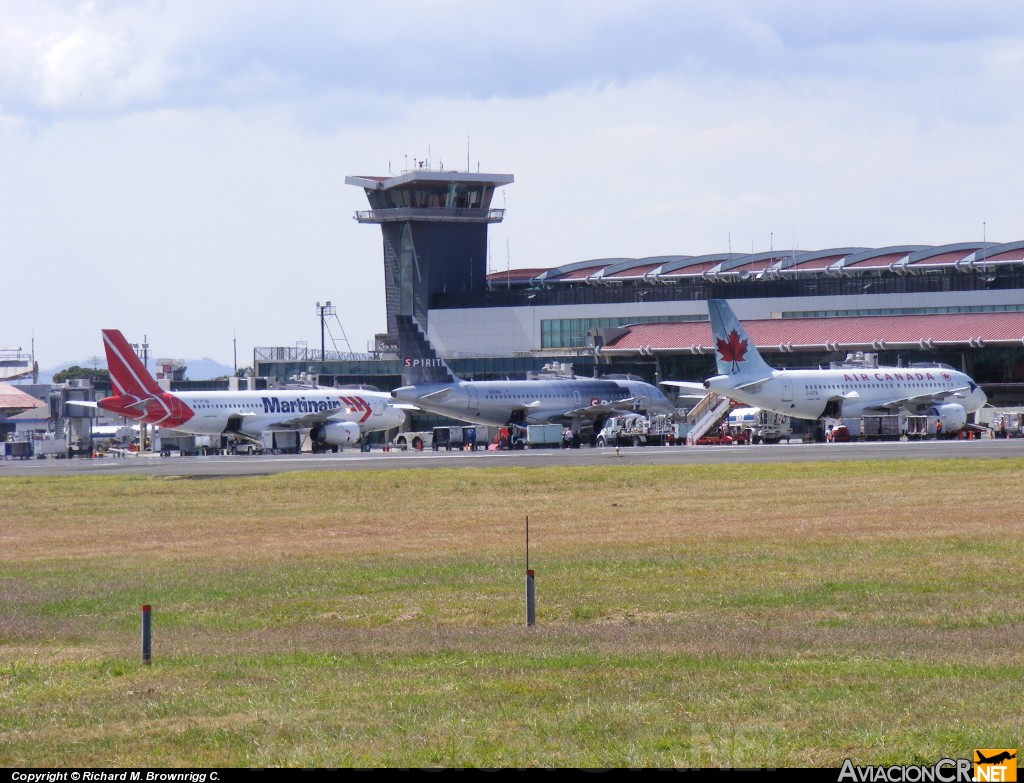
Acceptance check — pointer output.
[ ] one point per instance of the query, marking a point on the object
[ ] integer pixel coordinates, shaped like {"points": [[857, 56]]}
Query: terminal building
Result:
{"points": [[961, 304]]}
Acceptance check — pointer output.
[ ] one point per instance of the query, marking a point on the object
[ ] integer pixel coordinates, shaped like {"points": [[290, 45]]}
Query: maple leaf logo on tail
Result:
{"points": [[734, 350]]}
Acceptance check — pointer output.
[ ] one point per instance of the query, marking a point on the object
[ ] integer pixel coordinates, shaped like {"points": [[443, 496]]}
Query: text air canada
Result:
{"points": [[892, 376]]}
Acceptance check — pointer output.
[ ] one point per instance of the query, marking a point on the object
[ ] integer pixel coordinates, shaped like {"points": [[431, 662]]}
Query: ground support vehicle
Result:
{"points": [[637, 431], [468, 437], [920, 427], [723, 436], [167, 443], [418, 441], [543, 436], [55, 448], [884, 426], [275, 442], [758, 425], [16, 449]]}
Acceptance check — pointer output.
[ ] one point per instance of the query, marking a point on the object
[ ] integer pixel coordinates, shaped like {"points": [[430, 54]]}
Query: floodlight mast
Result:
{"points": [[324, 310]]}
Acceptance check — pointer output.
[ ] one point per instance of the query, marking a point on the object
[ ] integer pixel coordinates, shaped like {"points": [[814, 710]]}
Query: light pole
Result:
{"points": [[324, 310], [142, 351]]}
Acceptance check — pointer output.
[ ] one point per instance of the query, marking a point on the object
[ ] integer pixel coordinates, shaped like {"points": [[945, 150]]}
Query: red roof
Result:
{"points": [[515, 275], [1009, 255], [14, 401], [817, 263], [691, 271], [635, 271], [755, 266], [844, 332], [579, 274], [883, 260], [944, 258]]}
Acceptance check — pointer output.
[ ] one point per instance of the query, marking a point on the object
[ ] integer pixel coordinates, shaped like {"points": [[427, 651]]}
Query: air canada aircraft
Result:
{"points": [[844, 390], [334, 417], [431, 386]]}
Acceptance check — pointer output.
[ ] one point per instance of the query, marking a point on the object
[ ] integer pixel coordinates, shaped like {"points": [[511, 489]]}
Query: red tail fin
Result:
{"points": [[126, 369]]}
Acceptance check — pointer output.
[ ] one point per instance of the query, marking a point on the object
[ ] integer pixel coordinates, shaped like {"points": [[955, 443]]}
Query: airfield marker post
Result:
{"points": [[147, 634], [531, 598]]}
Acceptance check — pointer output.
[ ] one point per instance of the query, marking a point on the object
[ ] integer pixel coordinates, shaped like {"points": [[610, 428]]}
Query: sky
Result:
{"points": [[176, 169]]}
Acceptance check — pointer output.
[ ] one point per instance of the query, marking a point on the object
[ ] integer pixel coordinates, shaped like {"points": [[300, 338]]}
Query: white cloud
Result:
{"points": [[177, 169]]}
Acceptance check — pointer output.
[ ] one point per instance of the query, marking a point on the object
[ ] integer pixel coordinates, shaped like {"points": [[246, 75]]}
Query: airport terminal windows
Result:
{"points": [[442, 195], [993, 308]]}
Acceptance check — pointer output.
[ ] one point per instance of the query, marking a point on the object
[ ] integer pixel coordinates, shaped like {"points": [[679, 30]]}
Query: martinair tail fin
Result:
{"points": [[734, 350], [128, 373], [420, 363]]}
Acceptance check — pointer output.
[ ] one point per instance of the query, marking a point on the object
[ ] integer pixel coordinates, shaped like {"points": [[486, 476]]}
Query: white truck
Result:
{"points": [[760, 426], [637, 430]]}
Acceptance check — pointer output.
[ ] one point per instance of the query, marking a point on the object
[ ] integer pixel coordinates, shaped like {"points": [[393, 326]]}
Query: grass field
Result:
{"points": [[781, 615]]}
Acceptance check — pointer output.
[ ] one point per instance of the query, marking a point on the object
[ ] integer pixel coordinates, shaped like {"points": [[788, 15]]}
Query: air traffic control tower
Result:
{"points": [[435, 234]]}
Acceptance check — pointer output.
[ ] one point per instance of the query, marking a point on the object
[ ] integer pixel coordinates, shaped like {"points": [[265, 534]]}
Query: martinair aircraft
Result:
{"points": [[334, 417], [841, 391], [431, 386]]}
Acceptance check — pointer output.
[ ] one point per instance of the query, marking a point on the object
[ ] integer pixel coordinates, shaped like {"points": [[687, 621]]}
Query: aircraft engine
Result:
{"points": [[335, 433], [952, 416]]}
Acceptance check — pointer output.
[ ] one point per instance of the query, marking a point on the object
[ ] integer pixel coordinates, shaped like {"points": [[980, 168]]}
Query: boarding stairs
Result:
{"points": [[706, 415]]}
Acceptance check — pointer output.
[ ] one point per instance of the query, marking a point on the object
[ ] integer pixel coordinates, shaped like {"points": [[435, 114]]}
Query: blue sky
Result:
{"points": [[176, 169]]}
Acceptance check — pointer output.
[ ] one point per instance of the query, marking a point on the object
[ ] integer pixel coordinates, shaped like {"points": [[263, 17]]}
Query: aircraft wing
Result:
{"points": [[912, 401], [307, 419], [613, 408], [83, 403]]}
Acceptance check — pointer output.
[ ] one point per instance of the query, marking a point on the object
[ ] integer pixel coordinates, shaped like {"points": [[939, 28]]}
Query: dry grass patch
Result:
{"points": [[754, 615]]}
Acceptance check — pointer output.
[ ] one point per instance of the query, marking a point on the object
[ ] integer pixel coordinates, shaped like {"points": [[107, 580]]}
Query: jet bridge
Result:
{"points": [[75, 421]]}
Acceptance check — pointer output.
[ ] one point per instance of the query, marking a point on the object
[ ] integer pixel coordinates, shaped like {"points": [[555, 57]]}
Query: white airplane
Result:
{"points": [[431, 386], [841, 391], [334, 417]]}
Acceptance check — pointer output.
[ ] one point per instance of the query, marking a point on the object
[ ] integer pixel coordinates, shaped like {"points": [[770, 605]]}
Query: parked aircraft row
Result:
{"points": [[744, 376], [340, 417]]}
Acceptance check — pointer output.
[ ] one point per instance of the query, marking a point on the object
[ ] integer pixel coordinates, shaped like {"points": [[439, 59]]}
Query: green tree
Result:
{"points": [[77, 373]]}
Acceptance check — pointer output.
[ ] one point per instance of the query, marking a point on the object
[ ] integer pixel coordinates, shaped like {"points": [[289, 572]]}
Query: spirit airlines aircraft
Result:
{"points": [[334, 417], [431, 386], [843, 390]]}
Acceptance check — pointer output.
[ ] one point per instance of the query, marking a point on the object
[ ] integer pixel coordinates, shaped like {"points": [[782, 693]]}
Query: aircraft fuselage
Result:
{"points": [[805, 394], [538, 401], [251, 412]]}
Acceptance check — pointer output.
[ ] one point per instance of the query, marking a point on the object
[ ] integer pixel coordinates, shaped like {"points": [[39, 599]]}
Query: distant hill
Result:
{"points": [[198, 369]]}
